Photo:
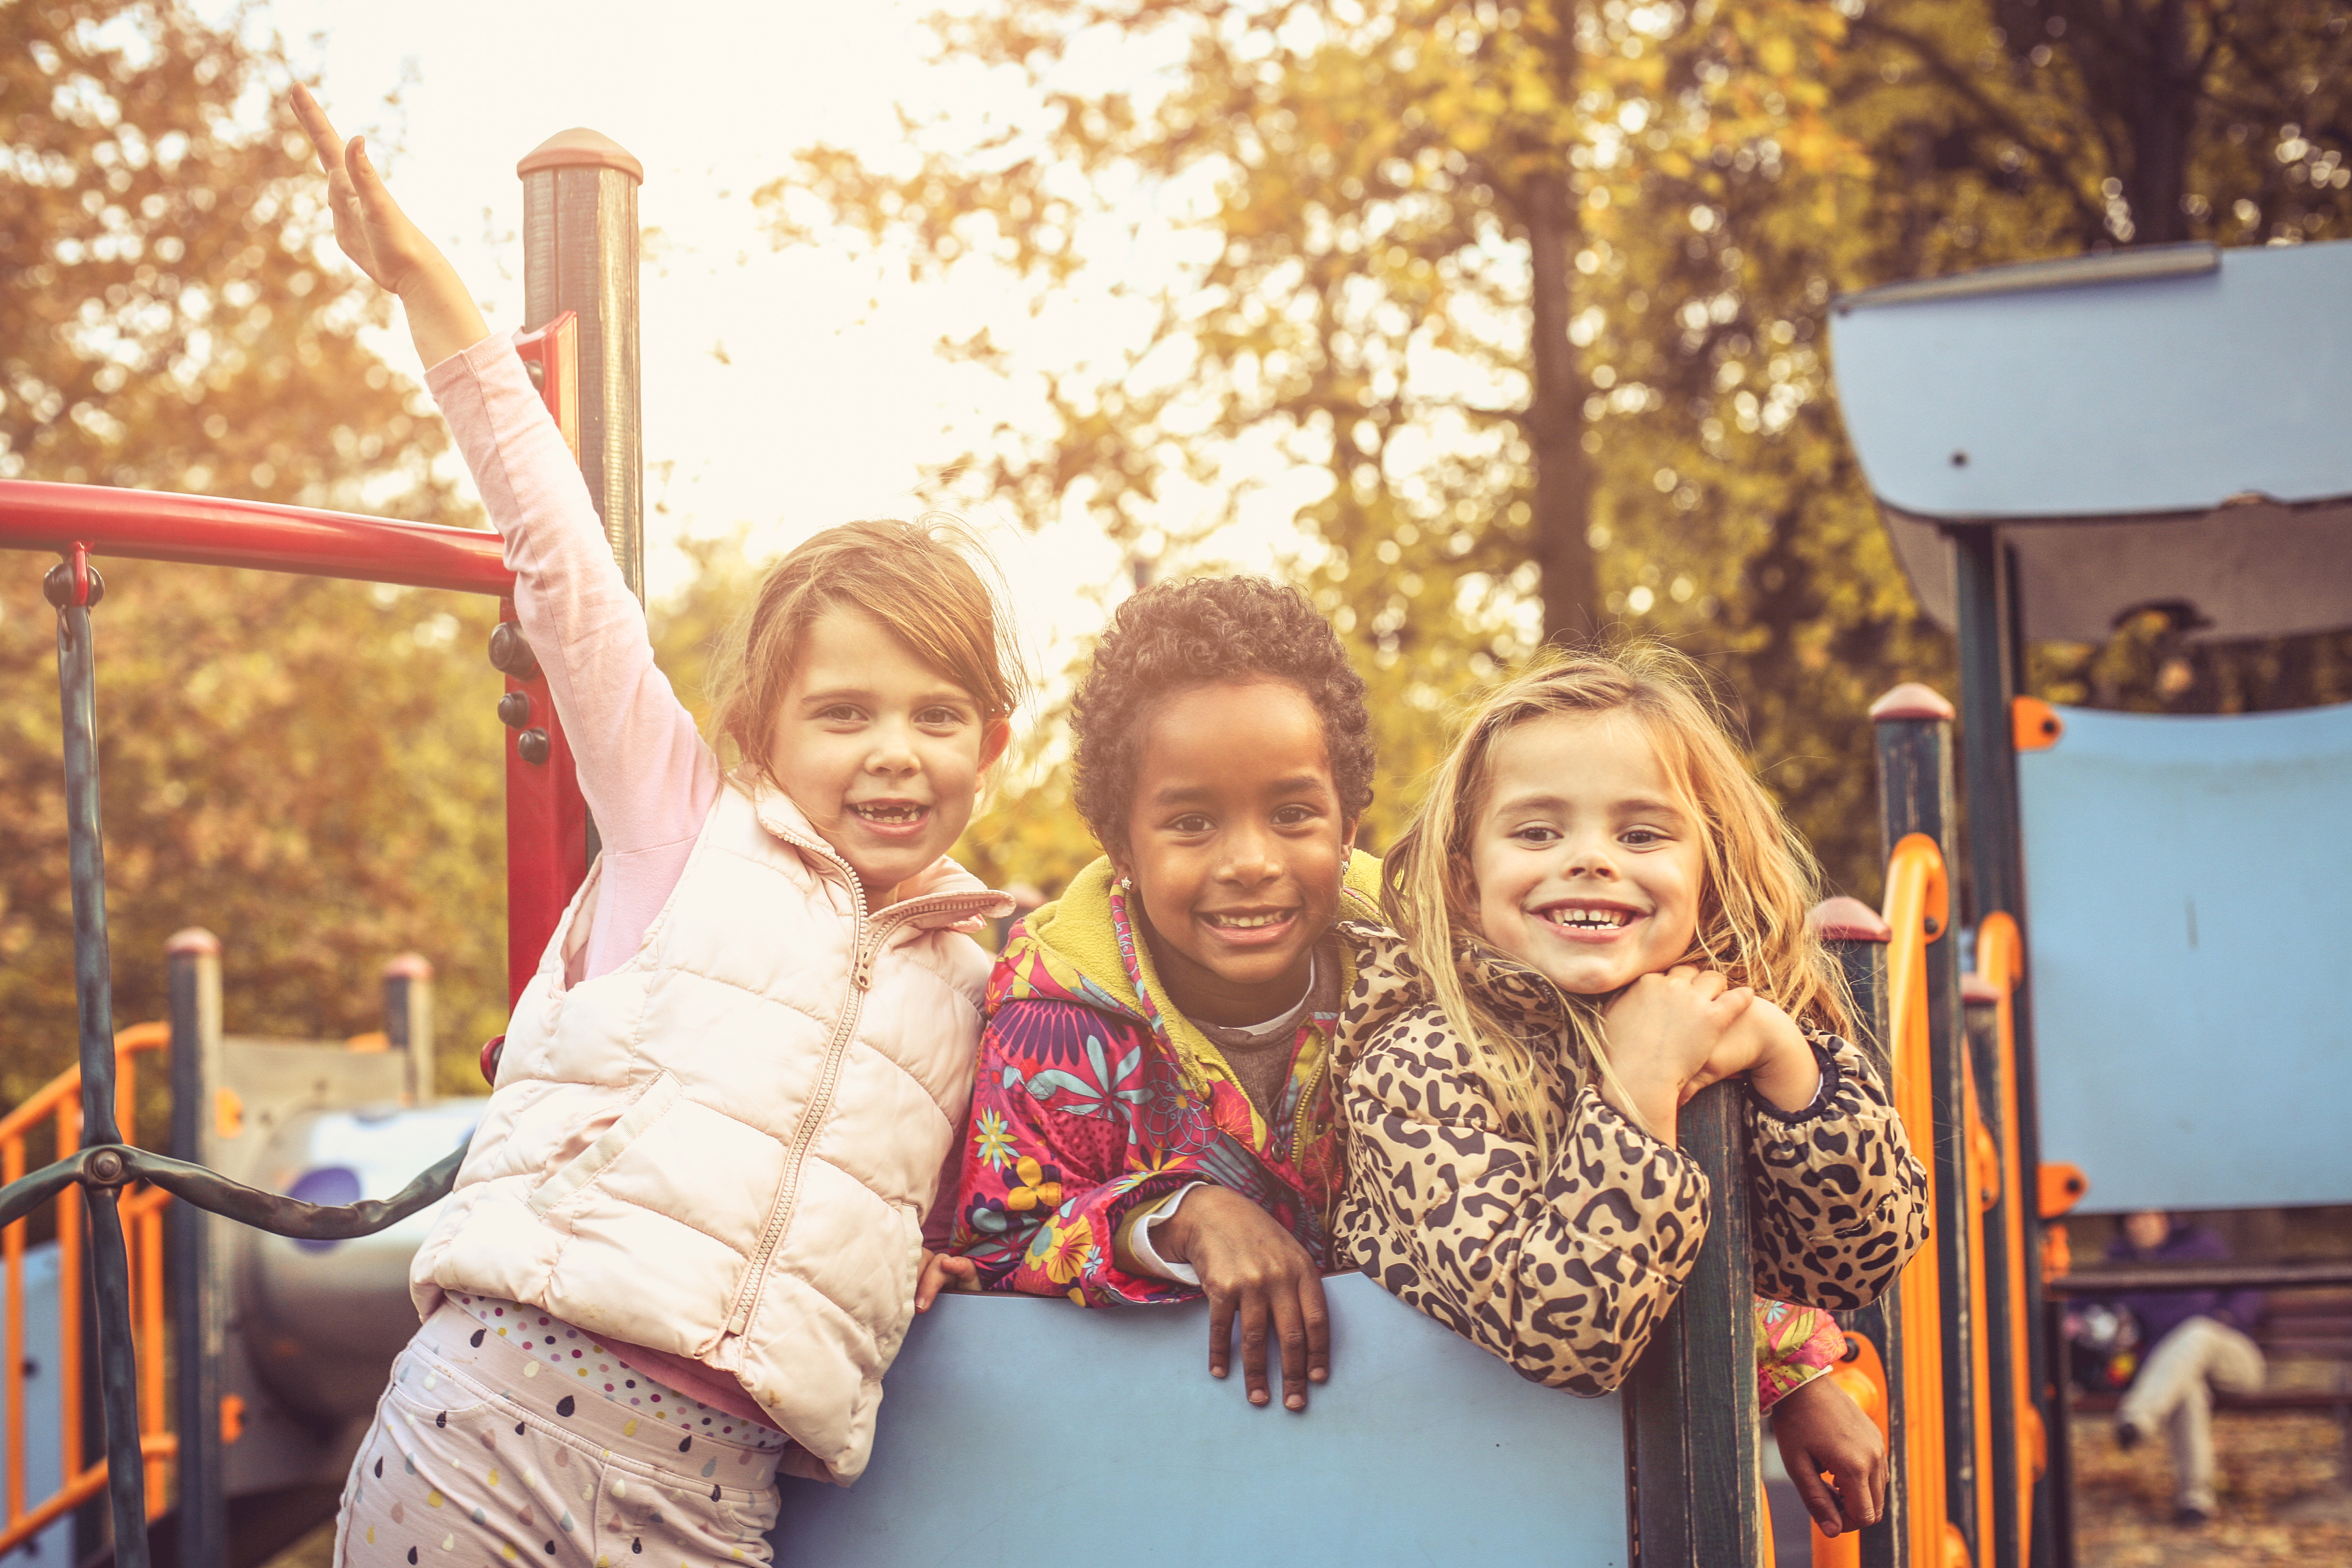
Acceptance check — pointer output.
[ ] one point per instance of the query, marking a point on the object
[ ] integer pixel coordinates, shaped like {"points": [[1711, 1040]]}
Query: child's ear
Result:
{"points": [[993, 739]]}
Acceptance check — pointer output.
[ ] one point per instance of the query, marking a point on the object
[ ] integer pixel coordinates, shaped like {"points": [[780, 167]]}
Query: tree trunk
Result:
{"points": [[1555, 424], [2162, 122]]}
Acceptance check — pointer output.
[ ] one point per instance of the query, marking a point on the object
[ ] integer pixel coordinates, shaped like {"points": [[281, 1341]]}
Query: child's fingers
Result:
{"points": [[1820, 1500], [1318, 1329], [1221, 1334], [376, 196], [319, 128], [1291, 1324], [1256, 1337]]}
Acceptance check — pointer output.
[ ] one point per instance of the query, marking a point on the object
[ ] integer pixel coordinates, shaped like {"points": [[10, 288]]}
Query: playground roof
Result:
{"points": [[2157, 425]]}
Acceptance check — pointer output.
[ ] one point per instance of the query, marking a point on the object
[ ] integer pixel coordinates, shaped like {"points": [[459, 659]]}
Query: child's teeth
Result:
{"points": [[1247, 922]]}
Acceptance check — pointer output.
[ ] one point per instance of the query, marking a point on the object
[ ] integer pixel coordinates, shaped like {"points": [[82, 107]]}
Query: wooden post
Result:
{"points": [[408, 1019], [1696, 1483], [1915, 795]]}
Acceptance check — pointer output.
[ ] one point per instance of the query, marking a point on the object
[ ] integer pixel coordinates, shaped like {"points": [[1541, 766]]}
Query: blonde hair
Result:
{"points": [[930, 581], [1760, 880]]}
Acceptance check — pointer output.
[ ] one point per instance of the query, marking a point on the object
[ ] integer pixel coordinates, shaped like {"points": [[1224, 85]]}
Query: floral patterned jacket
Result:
{"points": [[1095, 1097]]}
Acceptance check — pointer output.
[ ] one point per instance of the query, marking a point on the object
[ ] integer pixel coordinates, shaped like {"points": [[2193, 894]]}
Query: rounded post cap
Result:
{"points": [[1910, 700], [580, 148], [409, 966], [193, 941], [1848, 919], [1975, 991]]}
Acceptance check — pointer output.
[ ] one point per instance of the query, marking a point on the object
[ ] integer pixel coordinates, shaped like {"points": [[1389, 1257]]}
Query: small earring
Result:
{"points": [[1127, 884]]}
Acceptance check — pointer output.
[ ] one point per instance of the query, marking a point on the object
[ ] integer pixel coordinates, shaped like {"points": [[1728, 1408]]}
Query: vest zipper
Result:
{"points": [[864, 949]]}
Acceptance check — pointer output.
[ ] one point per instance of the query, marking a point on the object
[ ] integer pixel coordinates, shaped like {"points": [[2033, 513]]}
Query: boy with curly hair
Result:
{"points": [[1153, 1113]]}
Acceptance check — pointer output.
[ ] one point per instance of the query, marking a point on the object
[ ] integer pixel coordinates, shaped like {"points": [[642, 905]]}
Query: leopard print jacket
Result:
{"points": [[1565, 1273]]}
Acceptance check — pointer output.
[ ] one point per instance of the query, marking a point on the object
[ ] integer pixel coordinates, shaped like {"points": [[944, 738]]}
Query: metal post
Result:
{"points": [[408, 1019], [199, 1304], [1915, 795], [579, 254], [1992, 650], [1857, 936], [1692, 1427], [73, 588]]}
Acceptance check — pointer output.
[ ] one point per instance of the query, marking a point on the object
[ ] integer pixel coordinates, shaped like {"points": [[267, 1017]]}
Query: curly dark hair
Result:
{"points": [[1175, 636]]}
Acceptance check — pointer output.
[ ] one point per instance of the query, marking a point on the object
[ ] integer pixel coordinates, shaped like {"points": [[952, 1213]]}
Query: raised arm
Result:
{"points": [[1563, 1272], [645, 773]]}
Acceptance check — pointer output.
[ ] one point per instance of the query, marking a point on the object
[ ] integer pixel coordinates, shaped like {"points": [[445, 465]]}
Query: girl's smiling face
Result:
{"points": [[1235, 845], [881, 752], [1588, 867]]}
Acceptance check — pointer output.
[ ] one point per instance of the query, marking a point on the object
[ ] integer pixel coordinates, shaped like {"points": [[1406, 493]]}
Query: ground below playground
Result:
{"points": [[2284, 1497], [2285, 1500]]}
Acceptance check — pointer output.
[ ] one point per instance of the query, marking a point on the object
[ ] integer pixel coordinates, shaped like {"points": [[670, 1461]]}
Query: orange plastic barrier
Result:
{"points": [[58, 1102]]}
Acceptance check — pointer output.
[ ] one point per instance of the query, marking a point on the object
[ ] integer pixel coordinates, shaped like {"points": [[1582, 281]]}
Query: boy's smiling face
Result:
{"points": [[1236, 845]]}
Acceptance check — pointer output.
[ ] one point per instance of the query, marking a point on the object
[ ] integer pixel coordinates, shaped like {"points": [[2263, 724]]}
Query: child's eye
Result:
{"points": [[1535, 833], [841, 713], [1642, 837], [939, 718], [1294, 815], [1189, 823]]}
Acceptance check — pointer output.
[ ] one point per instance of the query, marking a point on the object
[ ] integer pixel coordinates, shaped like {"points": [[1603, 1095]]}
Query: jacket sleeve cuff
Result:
{"points": [[1824, 1097], [1139, 1237]]}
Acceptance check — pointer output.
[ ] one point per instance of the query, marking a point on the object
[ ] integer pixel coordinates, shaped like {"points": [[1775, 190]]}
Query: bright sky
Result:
{"points": [[787, 390]]}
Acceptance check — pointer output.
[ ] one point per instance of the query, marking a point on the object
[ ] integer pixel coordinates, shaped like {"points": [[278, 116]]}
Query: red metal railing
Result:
{"points": [[547, 821]]}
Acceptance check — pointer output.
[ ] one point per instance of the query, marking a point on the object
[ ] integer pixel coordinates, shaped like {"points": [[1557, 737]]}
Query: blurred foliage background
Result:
{"points": [[1540, 289]]}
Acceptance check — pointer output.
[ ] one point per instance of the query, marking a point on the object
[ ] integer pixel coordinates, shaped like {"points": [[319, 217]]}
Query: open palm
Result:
{"points": [[378, 237]]}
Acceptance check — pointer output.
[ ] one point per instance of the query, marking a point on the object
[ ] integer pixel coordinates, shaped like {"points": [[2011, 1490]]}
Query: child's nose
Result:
{"points": [[1250, 858], [1593, 857]]}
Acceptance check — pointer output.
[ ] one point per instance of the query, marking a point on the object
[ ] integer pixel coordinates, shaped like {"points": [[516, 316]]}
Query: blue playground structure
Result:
{"points": [[2055, 446]]}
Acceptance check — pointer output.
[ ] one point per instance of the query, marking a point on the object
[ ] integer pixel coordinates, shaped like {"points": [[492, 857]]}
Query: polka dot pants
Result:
{"points": [[484, 1453]]}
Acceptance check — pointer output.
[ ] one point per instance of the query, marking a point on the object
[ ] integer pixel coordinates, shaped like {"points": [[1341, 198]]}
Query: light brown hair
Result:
{"points": [[930, 581], [1760, 880]]}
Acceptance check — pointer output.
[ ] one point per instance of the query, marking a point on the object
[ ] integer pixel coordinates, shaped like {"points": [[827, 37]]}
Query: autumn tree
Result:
{"points": [[1442, 239], [310, 768]]}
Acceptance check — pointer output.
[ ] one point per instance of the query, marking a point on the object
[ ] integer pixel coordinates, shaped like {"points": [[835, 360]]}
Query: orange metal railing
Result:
{"points": [[59, 1104], [1918, 911], [2000, 962]]}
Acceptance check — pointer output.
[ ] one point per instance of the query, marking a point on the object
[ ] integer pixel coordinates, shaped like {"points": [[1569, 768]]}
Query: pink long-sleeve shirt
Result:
{"points": [[648, 776]]}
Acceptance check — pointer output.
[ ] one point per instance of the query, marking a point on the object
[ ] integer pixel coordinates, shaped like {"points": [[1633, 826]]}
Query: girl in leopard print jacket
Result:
{"points": [[1595, 901]]}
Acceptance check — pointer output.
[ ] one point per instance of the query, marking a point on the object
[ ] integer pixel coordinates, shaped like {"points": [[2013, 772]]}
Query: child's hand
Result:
{"points": [[377, 235], [1766, 1044], [943, 1271], [1661, 1031], [1820, 1428], [1253, 1269]]}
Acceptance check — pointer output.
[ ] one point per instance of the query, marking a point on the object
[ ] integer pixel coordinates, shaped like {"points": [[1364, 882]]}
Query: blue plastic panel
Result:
{"points": [[2165, 395], [2189, 902], [44, 1412], [1025, 1433]]}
